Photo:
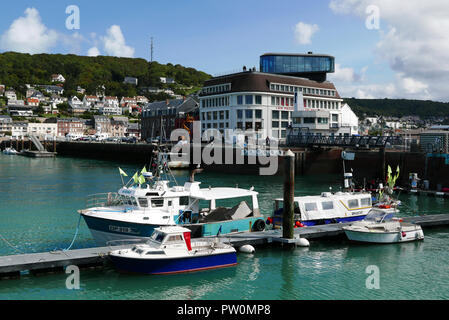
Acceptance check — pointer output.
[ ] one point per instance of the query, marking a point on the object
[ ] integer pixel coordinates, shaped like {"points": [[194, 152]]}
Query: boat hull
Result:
{"points": [[174, 265], [310, 223], [107, 230], [384, 237]]}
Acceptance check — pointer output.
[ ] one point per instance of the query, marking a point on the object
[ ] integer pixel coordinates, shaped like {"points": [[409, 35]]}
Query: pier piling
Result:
{"points": [[289, 195]]}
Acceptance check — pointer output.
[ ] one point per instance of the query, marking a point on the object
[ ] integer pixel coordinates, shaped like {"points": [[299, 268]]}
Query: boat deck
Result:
{"points": [[35, 263]]}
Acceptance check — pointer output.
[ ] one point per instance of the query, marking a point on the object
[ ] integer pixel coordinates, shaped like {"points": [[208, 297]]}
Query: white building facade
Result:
{"points": [[262, 103]]}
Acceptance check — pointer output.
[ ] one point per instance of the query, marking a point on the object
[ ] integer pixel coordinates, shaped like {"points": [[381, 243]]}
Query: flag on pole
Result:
{"points": [[144, 170], [123, 173], [141, 179], [136, 178]]}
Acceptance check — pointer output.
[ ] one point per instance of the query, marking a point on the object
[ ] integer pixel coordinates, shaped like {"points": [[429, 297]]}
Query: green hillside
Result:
{"points": [[398, 107], [18, 69]]}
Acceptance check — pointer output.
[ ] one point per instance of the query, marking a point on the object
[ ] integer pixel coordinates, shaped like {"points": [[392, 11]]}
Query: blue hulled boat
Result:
{"points": [[171, 250]]}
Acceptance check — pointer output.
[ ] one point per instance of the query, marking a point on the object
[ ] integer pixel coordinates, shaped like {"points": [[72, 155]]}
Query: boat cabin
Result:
{"points": [[328, 205]]}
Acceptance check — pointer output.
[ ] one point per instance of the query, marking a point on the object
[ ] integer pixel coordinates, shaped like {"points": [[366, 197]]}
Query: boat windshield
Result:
{"points": [[157, 237], [124, 200], [378, 216]]}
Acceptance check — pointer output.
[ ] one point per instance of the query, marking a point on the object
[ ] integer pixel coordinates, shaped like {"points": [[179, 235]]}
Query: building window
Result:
{"points": [[275, 115], [240, 125], [273, 101], [239, 114], [239, 99], [335, 118], [249, 99], [249, 114], [248, 125], [275, 124], [309, 120], [258, 99], [258, 126], [258, 114], [284, 115], [227, 114], [284, 124], [215, 115], [323, 120]]}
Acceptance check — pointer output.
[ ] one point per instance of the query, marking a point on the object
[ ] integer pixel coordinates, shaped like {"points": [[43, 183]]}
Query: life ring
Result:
{"points": [[259, 225]]}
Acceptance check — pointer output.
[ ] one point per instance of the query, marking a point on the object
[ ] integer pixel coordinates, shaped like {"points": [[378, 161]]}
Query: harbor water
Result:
{"points": [[39, 199]]}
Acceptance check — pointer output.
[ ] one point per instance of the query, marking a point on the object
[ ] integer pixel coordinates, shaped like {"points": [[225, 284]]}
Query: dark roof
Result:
{"points": [[297, 54], [181, 105], [260, 82]]}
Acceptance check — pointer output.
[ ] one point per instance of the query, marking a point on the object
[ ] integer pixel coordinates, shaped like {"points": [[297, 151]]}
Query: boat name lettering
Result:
{"points": [[123, 230]]}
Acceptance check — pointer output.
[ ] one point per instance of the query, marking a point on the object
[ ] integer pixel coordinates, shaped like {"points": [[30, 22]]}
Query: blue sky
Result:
{"points": [[221, 36]]}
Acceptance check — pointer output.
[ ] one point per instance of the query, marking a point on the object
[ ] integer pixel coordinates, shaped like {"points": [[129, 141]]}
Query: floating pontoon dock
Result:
{"points": [[50, 262]]}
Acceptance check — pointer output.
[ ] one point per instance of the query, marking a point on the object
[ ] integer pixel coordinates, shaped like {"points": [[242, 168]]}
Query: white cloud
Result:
{"points": [[93, 52], [413, 40], [115, 45], [343, 74], [304, 32], [28, 34]]}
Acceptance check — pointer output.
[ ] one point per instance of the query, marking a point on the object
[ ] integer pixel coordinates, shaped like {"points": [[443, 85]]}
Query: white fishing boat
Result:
{"points": [[326, 208], [380, 226], [137, 209], [10, 151], [171, 250]]}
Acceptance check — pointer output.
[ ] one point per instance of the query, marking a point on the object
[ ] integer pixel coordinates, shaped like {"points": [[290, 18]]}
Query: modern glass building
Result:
{"points": [[311, 66]]}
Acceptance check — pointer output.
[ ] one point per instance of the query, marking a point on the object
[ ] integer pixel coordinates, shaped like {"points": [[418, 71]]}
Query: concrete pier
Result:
{"points": [[51, 262]]}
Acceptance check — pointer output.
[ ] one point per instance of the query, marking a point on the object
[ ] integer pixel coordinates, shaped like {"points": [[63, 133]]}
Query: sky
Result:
{"points": [[383, 48]]}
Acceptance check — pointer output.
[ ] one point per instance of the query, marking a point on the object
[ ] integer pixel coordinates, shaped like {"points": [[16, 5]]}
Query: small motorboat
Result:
{"points": [[171, 250], [10, 151], [380, 226]]}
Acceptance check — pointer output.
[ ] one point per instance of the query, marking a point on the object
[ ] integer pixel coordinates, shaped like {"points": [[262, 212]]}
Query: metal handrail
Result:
{"points": [[101, 199]]}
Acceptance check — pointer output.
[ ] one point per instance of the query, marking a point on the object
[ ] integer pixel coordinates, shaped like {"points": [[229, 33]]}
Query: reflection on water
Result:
{"points": [[39, 199]]}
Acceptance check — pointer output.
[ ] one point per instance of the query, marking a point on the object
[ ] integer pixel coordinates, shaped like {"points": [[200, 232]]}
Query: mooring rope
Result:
{"points": [[75, 236], [9, 244]]}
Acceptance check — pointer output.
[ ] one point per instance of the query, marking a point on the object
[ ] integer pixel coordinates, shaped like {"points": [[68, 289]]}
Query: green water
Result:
{"points": [[38, 203]]}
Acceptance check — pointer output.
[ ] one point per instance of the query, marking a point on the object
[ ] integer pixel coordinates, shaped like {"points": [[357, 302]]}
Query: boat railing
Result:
{"points": [[206, 245], [125, 242], [103, 200]]}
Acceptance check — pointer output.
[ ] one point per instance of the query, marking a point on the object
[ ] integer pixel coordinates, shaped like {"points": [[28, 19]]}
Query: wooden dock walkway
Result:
{"points": [[48, 262]]}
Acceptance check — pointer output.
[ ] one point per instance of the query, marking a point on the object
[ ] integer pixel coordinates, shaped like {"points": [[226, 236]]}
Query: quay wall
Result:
{"points": [[367, 165]]}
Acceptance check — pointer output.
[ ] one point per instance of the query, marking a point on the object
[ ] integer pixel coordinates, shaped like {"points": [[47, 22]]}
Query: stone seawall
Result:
{"points": [[367, 165]]}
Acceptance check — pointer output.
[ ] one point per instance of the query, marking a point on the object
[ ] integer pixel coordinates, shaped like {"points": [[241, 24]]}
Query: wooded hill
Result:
{"points": [[425, 109], [18, 69]]}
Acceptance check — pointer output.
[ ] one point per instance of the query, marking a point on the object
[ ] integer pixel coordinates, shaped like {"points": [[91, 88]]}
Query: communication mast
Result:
{"points": [[152, 50]]}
